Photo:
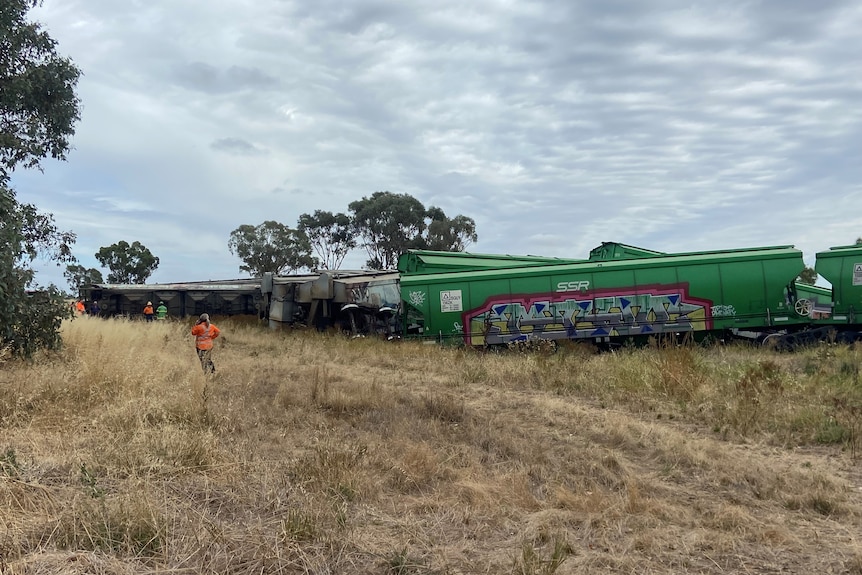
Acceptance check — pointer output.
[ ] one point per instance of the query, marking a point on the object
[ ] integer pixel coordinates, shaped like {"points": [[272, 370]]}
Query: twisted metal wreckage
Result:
{"points": [[360, 302]]}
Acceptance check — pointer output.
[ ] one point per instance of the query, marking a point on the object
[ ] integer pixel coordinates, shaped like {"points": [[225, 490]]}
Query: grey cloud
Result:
{"points": [[555, 125], [281, 191], [237, 146], [204, 77]]}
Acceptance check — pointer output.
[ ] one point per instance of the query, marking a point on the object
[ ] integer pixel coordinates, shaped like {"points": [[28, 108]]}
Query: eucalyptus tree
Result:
{"points": [[38, 112], [389, 224], [330, 235], [128, 263], [270, 247]]}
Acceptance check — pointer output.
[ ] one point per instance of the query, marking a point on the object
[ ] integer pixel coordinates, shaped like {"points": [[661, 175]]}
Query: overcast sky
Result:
{"points": [[555, 125]]}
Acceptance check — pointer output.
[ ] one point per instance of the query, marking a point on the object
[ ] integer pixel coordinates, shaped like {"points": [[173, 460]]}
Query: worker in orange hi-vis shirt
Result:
{"points": [[79, 307], [148, 311], [205, 332]]}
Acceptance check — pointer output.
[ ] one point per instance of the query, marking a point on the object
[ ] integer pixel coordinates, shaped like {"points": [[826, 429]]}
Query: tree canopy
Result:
{"points": [[449, 235], [390, 224], [330, 236], [270, 247], [29, 321], [38, 110], [79, 276], [128, 264], [38, 105], [808, 276]]}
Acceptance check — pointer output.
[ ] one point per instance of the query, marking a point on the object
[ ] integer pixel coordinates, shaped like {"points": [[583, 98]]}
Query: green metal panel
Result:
{"points": [[619, 298], [809, 291], [427, 261], [758, 291], [617, 251], [612, 277], [416, 308], [744, 281], [530, 284], [842, 267], [662, 273]]}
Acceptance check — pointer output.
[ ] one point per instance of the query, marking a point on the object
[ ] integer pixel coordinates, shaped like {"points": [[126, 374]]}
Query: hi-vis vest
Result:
{"points": [[204, 335]]}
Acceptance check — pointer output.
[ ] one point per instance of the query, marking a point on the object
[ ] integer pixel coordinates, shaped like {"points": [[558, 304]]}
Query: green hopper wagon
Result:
{"points": [[842, 267], [603, 301]]}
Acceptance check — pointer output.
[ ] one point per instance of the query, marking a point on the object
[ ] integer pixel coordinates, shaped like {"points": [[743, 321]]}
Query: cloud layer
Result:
{"points": [[672, 125]]}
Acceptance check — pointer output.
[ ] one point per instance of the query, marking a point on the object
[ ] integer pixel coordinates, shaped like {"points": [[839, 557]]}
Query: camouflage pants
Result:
{"points": [[207, 364]]}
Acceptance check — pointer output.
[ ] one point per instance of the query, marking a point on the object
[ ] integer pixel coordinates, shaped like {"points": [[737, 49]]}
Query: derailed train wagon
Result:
{"points": [[823, 314], [358, 302], [839, 320], [842, 267], [606, 300], [221, 297], [809, 301]]}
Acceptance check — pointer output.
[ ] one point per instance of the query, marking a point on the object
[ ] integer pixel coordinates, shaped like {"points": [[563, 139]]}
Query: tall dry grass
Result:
{"points": [[315, 453]]}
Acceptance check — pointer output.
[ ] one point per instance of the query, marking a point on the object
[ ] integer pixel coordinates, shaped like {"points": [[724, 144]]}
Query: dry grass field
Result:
{"points": [[311, 453]]}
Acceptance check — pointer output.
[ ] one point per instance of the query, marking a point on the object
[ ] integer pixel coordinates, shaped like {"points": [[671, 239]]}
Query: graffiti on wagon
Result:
{"points": [[652, 310]]}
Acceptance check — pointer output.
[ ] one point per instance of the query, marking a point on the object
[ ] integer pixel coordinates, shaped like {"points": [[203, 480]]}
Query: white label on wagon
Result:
{"points": [[857, 274], [451, 300]]}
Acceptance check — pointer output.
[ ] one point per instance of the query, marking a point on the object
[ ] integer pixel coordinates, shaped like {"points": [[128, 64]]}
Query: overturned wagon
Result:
{"points": [[607, 300], [353, 301], [359, 301], [223, 297]]}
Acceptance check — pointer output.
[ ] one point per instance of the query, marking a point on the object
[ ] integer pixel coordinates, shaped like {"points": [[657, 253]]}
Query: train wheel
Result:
{"points": [[771, 340], [803, 307]]}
